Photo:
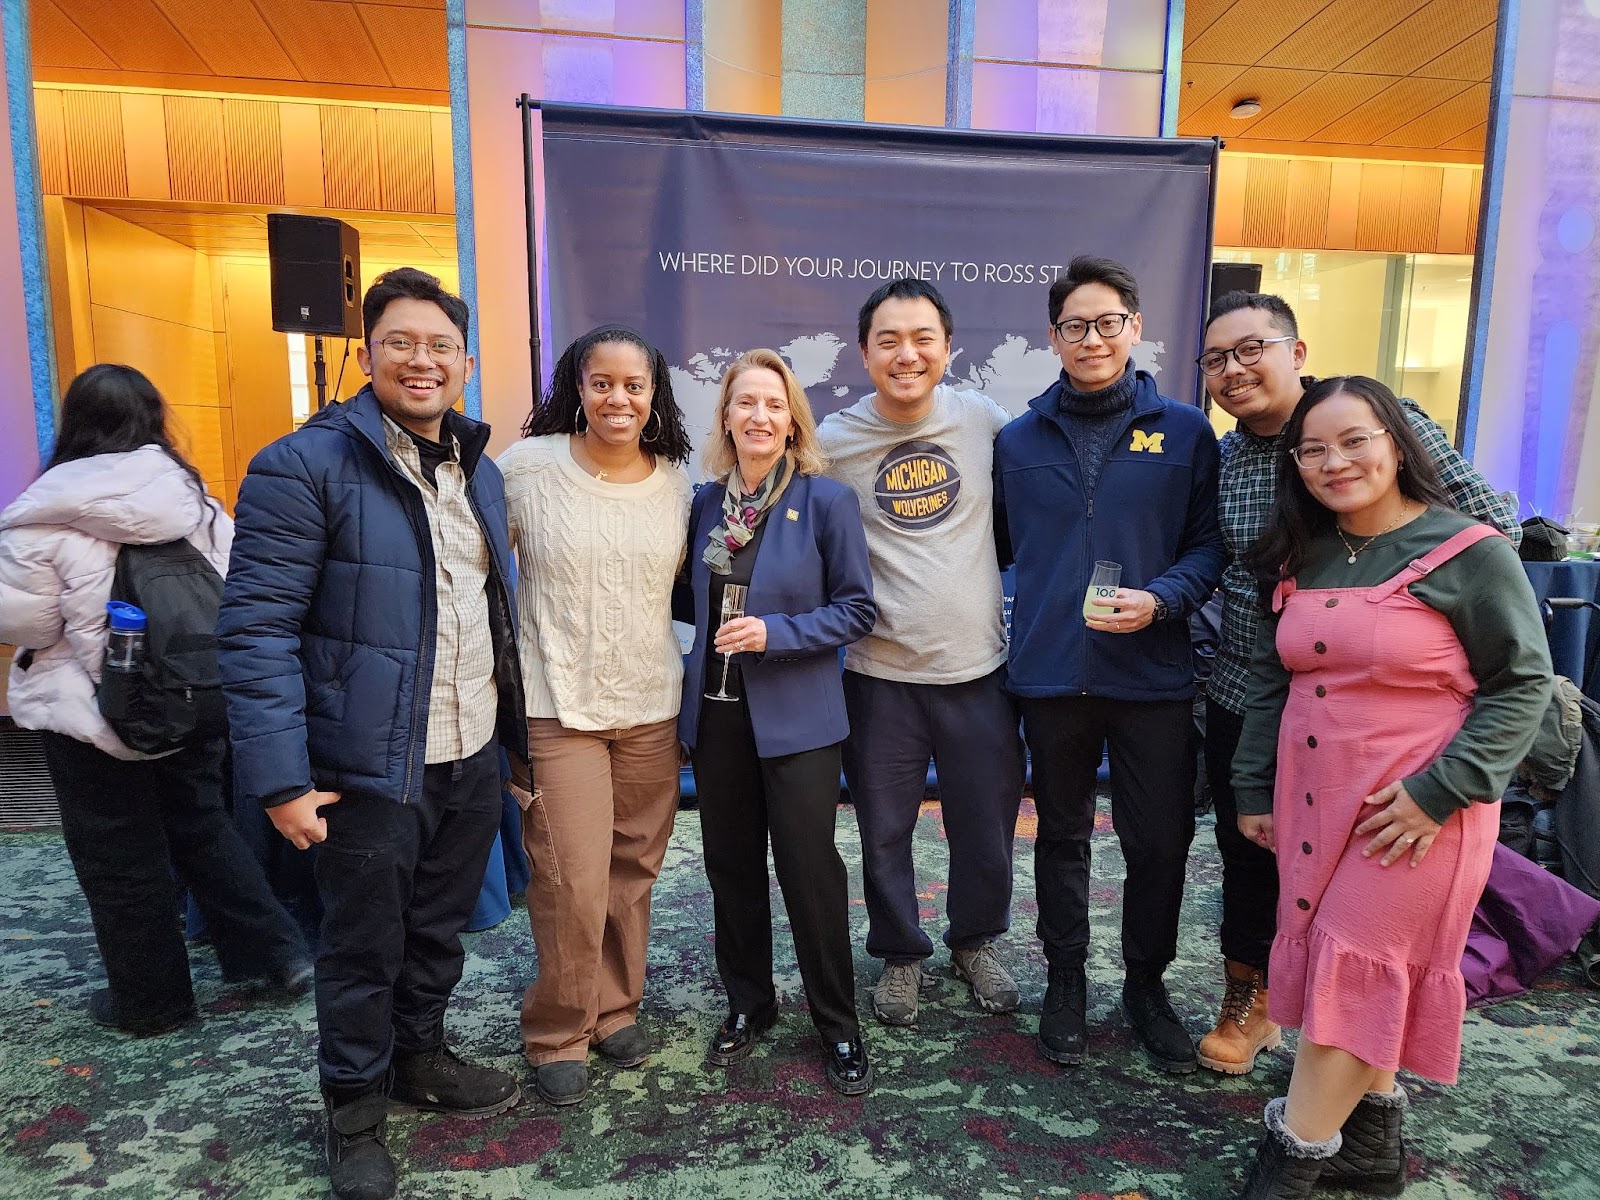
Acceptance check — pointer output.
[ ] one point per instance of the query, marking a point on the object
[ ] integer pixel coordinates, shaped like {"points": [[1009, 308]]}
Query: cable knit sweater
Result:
{"points": [[58, 552], [595, 565]]}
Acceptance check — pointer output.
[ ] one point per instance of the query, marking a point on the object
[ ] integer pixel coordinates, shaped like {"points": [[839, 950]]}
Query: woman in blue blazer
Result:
{"points": [[767, 761]]}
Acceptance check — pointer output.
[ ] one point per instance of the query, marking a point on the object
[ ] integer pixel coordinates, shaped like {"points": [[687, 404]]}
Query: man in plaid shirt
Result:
{"points": [[1251, 363]]}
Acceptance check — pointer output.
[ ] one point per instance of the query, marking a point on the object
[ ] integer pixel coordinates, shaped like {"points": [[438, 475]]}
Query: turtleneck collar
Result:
{"points": [[1100, 403]]}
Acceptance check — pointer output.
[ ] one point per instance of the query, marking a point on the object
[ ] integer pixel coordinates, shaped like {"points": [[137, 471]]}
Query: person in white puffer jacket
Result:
{"points": [[128, 819]]}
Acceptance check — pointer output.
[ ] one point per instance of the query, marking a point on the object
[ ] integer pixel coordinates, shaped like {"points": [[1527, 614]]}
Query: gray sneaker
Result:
{"points": [[992, 985], [894, 998]]}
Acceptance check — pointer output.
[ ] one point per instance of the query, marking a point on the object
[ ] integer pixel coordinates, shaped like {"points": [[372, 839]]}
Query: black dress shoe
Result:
{"points": [[736, 1037], [849, 1069]]}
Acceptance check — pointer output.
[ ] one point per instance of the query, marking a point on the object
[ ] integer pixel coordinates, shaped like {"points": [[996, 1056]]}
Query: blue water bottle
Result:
{"points": [[125, 639]]}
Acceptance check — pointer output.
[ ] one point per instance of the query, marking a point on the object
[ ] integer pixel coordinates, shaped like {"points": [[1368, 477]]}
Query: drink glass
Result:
{"points": [[732, 609], [1102, 588]]}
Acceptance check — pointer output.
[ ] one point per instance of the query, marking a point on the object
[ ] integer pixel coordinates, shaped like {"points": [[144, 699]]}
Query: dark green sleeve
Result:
{"points": [[1255, 762], [1485, 595]]}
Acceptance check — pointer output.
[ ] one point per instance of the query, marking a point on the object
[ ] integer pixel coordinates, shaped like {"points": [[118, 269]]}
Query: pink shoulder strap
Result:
{"points": [[1432, 560], [1282, 592]]}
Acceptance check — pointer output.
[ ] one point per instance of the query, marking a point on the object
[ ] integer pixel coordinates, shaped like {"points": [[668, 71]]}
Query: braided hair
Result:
{"points": [[561, 409]]}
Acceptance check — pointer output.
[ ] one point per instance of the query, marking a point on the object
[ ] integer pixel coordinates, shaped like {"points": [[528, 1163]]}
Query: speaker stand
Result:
{"points": [[320, 375]]}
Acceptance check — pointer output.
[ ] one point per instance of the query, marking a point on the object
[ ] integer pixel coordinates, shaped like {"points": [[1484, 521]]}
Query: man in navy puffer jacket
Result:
{"points": [[370, 668], [1102, 467]]}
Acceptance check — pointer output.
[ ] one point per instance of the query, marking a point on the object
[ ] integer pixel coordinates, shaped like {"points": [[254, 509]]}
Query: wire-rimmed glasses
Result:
{"points": [[1352, 448]]}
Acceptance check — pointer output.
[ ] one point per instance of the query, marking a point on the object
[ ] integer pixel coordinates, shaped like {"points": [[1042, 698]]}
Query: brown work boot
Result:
{"points": [[1243, 1030]]}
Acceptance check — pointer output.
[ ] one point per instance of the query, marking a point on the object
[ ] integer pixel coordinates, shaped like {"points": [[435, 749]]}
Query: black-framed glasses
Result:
{"points": [[401, 349], [1107, 325], [1247, 353], [1352, 448]]}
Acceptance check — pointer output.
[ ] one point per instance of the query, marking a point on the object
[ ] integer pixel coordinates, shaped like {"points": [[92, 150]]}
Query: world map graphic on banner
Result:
{"points": [[1012, 373]]}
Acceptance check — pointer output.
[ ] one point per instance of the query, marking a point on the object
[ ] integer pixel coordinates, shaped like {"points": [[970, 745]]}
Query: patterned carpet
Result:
{"points": [[964, 1106]]}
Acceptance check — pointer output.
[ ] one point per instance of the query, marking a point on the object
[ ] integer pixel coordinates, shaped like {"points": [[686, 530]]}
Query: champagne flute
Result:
{"points": [[732, 609]]}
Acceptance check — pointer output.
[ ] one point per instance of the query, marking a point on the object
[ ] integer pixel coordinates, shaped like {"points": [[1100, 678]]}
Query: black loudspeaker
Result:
{"points": [[316, 275], [1234, 277]]}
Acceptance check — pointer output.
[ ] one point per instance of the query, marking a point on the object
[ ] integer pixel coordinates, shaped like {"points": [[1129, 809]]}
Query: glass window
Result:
{"points": [[1401, 318]]}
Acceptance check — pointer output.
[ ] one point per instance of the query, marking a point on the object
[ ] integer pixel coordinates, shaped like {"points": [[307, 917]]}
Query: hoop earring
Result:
{"points": [[648, 438], [581, 425]]}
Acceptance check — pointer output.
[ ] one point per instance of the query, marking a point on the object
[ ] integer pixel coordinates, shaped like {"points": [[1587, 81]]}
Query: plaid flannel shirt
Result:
{"points": [[1249, 474]]}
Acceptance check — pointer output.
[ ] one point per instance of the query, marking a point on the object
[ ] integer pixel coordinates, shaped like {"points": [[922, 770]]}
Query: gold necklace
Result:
{"points": [[1355, 550], [594, 463]]}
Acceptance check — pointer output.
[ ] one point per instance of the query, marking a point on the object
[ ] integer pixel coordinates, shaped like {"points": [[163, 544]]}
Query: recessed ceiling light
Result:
{"points": [[1245, 109]]}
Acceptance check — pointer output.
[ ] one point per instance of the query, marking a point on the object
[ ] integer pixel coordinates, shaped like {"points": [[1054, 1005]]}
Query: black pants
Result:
{"points": [[1152, 810], [970, 732], [1249, 871], [128, 827], [398, 884], [795, 798]]}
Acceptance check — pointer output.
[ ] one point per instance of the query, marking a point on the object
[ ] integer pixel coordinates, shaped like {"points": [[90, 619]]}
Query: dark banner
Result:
{"points": [[716, 234]]}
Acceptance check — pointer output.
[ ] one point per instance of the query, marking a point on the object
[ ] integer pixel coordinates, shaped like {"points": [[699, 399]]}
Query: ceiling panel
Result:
{"points": [[59, 42], [1424, 36], [1449, 120], [1472, 139], [354, 49], [1389, 110], [215, 231], [1340, 76], [1201, 82], [1320, 104], [242, 45], [326, 42], [413, 49], [134, 34], [1271, 86], [1248, 29], [1472, 60], [1338, 31]]}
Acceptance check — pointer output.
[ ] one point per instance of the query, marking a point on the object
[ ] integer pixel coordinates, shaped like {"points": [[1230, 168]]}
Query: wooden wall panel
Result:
{"points": [[1273, 201], [444, 167], [144, 123], [1266, 198], [255, 152], [1378, 209], [101, 144], [1309, 183], [96, 163], [50, 130], [350, 157], [1421, 189], [301, 142], [405, 159], [197, 148]]}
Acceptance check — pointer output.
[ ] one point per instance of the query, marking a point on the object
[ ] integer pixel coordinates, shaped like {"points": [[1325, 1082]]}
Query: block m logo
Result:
{"points": [[1150, 442]]}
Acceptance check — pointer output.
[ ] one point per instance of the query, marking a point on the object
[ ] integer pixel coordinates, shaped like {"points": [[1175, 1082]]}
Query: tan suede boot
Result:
{"points": [[1243, 1030]]}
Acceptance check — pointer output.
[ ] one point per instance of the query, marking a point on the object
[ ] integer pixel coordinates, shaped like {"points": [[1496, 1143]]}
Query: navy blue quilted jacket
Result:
{"points": [[326, 630]]}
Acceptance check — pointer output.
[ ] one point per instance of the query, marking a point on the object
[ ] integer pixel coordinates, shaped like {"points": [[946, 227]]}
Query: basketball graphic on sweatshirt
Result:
{"points": [[917, 485]]}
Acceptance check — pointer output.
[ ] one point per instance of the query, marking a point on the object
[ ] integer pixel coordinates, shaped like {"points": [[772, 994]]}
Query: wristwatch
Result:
{"points": [[1161, 610]]}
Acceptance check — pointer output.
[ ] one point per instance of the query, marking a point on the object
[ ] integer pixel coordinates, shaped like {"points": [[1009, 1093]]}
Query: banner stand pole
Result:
{"points": [[528, 104]]}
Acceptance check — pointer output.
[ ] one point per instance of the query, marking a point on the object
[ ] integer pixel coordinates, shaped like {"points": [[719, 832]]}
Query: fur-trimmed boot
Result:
{"points": [[1372, 1158], [1286, 1168]]}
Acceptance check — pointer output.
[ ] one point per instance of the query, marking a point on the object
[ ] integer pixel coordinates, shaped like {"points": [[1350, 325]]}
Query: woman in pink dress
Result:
{"points": [[1399, 678]]}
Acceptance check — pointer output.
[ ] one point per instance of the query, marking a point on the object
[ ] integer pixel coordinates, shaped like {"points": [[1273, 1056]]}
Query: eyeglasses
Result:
{"points": [[402, 349], [1075, 329], [1246, 353], [1351, 448]]}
